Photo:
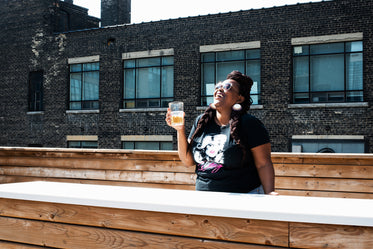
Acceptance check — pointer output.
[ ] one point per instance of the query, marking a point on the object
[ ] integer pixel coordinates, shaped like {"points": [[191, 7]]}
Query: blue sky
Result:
{"points": [[154, 10]]}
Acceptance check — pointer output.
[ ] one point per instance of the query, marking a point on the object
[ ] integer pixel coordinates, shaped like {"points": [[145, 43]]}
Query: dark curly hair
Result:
{"points": [[245, 84]]}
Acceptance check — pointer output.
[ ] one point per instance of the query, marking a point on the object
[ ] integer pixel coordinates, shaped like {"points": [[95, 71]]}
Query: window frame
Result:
{"points": [[36, 95], [231, 47], [136, 101], [312, 96], [82, 61], [146, 138]]}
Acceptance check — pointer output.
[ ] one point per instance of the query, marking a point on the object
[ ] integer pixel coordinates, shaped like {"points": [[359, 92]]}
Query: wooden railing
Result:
{"points": [[68, 215], [326, 175]]}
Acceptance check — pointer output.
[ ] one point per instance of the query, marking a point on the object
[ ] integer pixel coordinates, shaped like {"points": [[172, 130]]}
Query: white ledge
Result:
{"points": [[161, 109], [82, 111], [329, 105], [339, 211]]}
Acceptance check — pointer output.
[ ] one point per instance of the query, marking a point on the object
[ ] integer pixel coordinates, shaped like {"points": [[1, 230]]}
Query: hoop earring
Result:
{"points": [[237, 107]]}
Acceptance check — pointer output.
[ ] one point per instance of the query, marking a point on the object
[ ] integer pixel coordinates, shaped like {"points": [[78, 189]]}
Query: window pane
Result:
{"points": [[301, 50], [355, 96], [166, 145], [327, 48], [156, 61], [230, 55], [76, 68], [354, 71], [90, 86], [129, 84], [128, 145], [75, 86], [89, 144], [129, 63], [253, 70], [74, 144], [91, 67], [301, 74], [253, 54], [208, 78], [167, 60], [147, 145], [327, 73], [208, 57], [224, 68], [148, 83], [167, 81], [356, 46]]}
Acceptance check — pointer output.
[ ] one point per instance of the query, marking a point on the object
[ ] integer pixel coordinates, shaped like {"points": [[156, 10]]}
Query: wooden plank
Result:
{"points": [[307, 235], [89, 153], [325, 194], [12, 245], [324, 184], [321, 158], [314, 170], [208, 227], [91, 163], [11, 179], [73, 236], [111, 175]]}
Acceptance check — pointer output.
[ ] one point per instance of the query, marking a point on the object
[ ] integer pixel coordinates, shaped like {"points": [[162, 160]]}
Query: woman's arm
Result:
{"points": [[263, 162], [182, 142]]}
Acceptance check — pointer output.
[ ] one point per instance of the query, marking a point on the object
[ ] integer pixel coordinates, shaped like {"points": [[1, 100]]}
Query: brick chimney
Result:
{"points": [[114, 12]]}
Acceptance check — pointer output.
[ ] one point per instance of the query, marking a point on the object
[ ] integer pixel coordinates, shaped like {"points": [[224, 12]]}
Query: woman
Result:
{"points": [[230, 148]]}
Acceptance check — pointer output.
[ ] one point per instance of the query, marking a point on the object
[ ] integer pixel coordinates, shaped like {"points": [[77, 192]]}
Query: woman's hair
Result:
{"points": [[245, 83]]}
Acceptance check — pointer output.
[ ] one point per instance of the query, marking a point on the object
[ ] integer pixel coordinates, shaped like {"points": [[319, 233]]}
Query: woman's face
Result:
{"points": [[226, 94]]}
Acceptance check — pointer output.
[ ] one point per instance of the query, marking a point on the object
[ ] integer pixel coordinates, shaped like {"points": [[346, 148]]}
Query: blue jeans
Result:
{"points": [[258, 190]]}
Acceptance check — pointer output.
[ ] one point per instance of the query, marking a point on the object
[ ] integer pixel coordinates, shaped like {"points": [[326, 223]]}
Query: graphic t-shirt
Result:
{"points": [[220, 164]]}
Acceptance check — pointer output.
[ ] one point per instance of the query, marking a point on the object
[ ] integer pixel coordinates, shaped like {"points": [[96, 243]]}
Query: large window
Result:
{"points": [[146, 145], [216, 66], [82, 141], [35, 96], [147, 142], [148, 82], [328, 72], [84, 86]]}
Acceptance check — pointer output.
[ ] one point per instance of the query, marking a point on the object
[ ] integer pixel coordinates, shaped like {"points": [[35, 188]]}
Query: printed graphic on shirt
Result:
{"points": [[209, 154]]}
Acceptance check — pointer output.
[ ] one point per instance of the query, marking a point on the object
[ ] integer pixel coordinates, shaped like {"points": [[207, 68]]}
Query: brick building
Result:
{"points": [[66, 82]]}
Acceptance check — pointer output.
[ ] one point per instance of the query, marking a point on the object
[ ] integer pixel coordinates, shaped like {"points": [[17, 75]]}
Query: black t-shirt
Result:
{"points": [[220, 164]]}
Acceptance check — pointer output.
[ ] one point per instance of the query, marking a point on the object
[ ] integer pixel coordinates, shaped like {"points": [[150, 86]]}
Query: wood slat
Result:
{"points": [[314, 170], [324, 184], [74, 236], [315, 193], [12, 245], [223, 228], [11, 179], [306, 235], [89, 163], [112, 175]]}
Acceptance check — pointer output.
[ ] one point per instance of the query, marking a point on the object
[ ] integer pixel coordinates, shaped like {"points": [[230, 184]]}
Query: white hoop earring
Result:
{"points": [[237, 107]]}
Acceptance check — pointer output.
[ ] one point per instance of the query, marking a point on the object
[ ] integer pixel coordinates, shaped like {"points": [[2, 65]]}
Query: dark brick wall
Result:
{"points": [[273, 27]]}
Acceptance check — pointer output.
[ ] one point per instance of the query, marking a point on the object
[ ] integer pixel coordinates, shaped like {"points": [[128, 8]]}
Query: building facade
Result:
{"points": [[109, 86]]}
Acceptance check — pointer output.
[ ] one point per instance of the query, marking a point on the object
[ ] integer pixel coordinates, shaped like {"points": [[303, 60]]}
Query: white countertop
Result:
{"points": [[340, 211]]}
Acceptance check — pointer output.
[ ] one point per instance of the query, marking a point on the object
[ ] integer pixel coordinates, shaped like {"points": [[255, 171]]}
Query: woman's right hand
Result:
{"points": [[177, 127]]}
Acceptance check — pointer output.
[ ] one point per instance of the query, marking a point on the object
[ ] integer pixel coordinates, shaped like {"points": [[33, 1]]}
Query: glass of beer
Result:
{"points": [[177, 112]]}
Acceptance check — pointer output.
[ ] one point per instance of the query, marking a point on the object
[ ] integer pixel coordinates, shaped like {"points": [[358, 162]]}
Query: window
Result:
{"points": [[149, 81], [82, 141], [35, 97], [216, 66], [148, 142], [328, 72], [84, 86], [83, 144], [146, 145], [328, 144]]}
